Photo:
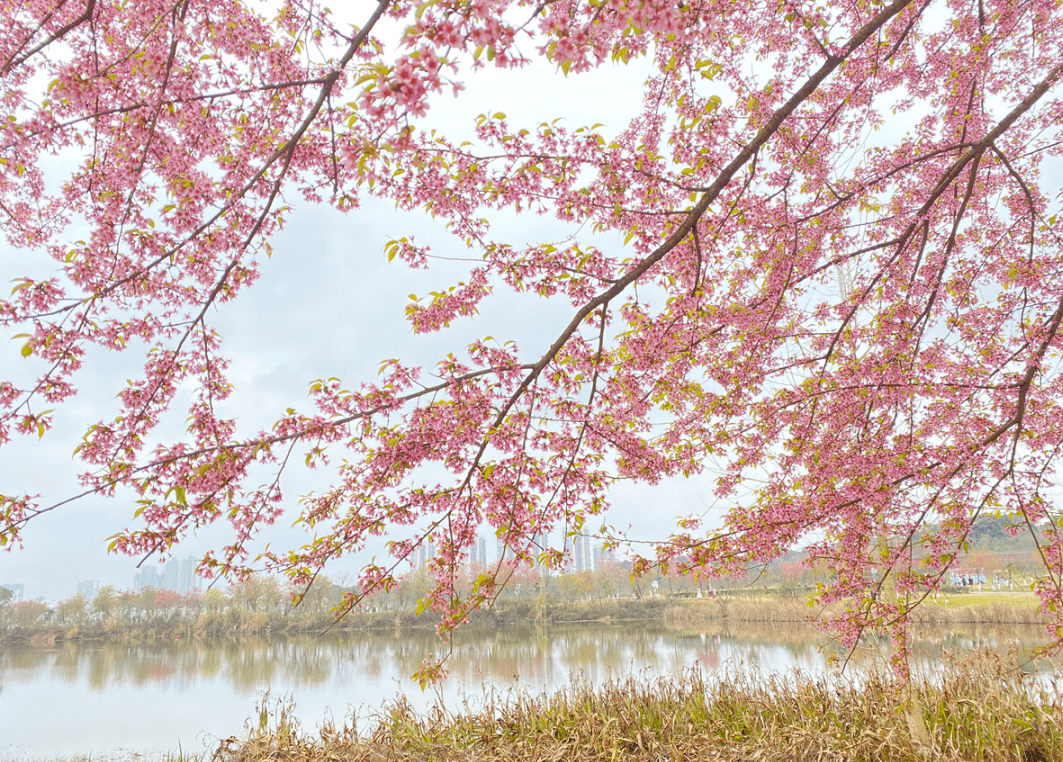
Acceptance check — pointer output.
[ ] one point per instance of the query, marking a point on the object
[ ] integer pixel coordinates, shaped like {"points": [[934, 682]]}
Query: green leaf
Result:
{"points": [[27, 350]]}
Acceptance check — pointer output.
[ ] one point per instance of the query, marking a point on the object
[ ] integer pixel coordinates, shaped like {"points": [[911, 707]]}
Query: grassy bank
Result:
{"points": [[962, 609], [976, 710]]}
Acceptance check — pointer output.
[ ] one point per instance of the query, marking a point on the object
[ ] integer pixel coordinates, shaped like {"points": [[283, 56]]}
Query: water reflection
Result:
{"points": [[167, 692], [532, 656]]}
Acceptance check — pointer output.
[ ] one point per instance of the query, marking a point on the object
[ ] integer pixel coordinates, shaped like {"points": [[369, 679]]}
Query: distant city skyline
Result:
{"points": [[62, 581], [582, 553], [179, 576]]}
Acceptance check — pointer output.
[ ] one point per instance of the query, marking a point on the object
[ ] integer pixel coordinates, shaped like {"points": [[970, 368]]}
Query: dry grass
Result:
{"points": [[976, 710], [976, 611], [973, 608], [1013, 600]]}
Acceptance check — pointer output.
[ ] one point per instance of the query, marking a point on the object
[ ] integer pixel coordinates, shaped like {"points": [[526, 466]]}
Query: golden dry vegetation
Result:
{"points": [[976, 709]]}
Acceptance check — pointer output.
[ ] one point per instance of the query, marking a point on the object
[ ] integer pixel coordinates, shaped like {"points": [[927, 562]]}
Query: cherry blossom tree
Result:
{"points": [[852, 325]]}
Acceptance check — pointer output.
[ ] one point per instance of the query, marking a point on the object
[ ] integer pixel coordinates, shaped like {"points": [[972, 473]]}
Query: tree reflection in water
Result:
{"points": [[533, 657]]}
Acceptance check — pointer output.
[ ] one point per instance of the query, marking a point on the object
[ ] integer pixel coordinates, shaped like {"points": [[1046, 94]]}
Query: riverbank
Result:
{"points": [[236, 622], [978, 708], [952, 610]]}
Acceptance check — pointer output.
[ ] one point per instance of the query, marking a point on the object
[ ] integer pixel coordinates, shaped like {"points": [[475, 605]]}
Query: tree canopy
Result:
{"points": [[839, 290]]}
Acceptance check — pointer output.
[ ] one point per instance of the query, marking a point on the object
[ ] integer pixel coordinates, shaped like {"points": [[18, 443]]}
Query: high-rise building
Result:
{"points": [[584, 562], [424, 551], [570, 556], [17, 588], [601, 555], [478, 552], [578, 553], [187, 579], [539, 544], [89, 588], [148, 577], [173, 575]]}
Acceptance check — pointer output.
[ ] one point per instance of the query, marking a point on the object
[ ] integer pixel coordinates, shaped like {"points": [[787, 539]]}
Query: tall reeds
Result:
{"points": [[977, 709]]}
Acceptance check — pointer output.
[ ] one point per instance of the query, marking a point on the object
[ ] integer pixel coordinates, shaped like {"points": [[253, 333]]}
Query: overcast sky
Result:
{"points": [[328, 304]]}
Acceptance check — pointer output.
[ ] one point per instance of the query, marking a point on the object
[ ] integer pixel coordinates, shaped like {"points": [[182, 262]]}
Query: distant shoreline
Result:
{"points": [[957, 608]]}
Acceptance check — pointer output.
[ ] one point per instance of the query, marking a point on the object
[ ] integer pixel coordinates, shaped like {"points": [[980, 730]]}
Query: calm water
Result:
{"points": [[112, 701]]}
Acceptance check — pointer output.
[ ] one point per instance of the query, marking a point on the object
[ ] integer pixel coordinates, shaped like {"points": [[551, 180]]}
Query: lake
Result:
{"points": [[117, 700]]}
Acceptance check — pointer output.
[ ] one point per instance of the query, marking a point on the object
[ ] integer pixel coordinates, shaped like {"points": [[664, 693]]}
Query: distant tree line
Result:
{"points": [[262, 605]]}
